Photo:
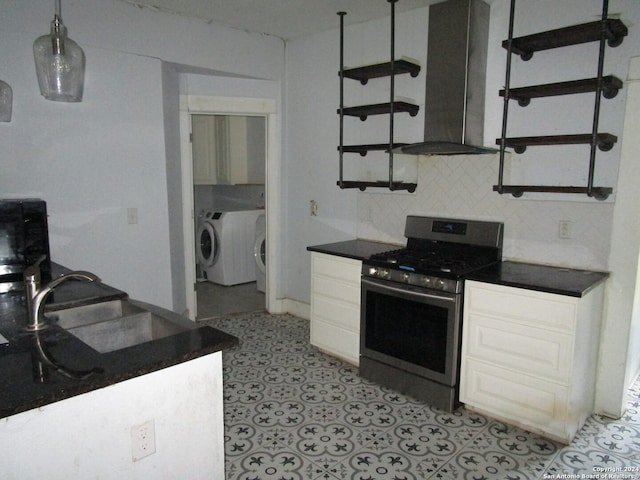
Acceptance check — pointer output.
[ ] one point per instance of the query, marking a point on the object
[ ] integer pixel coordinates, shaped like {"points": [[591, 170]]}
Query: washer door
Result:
{"points": [[208, 247], [260, 252]]}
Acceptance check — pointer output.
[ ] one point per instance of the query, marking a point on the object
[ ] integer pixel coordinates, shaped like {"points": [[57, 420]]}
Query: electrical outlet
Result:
{"points": [[564, 229], [143, 440]]}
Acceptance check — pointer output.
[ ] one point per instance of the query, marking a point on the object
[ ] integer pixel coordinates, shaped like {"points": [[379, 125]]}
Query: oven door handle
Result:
{"points": [[404, 291]]}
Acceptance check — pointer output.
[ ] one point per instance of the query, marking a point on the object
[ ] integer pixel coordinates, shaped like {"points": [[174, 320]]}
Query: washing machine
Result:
{"points": [[224, 246], [260, 253]]}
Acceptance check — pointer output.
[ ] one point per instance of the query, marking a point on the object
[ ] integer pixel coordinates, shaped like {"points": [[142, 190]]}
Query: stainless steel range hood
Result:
{"points": [[456, 76]]}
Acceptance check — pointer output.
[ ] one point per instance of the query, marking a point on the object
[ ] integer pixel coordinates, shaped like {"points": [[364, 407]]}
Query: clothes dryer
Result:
{"points": [[225, 246], [260, 253]]}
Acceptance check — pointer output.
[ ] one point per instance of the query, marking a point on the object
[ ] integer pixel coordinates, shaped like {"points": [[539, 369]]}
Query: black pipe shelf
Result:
{"points": [[410, 187], [363, 111], [610, 87], [364, 74], [606, 31], [604, 141], [563, 37], [363, 149], [600, 193]]}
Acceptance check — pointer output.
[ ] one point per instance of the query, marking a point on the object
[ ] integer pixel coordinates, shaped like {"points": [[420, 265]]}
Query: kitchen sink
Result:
{"points": [[117, 324], [95, 312], [123, 332]]}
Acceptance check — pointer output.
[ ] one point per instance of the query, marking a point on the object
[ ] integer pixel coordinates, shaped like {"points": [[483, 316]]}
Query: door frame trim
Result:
{"points": [[199, 104]]}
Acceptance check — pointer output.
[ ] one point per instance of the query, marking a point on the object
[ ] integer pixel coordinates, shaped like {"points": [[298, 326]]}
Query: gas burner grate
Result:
{"points": [[455, 259]]}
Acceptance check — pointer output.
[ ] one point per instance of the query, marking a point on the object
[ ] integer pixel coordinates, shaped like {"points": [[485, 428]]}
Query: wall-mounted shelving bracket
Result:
{"points": [[363, 74], [607, 32]]}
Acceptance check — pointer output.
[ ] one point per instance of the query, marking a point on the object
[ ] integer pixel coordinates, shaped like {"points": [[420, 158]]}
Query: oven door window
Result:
{"points": [[410, 329]]}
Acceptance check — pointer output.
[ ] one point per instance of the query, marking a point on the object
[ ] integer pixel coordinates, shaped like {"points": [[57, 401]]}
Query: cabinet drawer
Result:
{"points": [[345, 270], [530, 350], [537, 309], [341, 343], [338, 290], [518, 398], [329, 310]]}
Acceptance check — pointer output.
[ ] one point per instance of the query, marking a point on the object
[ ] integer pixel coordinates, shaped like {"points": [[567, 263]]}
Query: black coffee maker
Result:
{"points": [[24, 239]]}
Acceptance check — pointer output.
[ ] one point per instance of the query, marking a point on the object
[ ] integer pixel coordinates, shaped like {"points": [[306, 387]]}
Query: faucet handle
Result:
{"points": [[32, 272]]}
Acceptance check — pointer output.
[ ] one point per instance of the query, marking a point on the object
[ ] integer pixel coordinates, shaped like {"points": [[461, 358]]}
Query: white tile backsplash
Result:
{"points": [[461, 186]]}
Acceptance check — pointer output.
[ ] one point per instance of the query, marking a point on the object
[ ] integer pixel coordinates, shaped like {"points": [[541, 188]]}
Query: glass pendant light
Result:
{"points": [[59, 63], [6, 101]]}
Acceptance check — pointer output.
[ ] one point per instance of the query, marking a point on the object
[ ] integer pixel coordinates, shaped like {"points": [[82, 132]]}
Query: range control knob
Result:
{"points": [[405, 277], [426, 281], [373, 271], [383, 273], [441, 284]]}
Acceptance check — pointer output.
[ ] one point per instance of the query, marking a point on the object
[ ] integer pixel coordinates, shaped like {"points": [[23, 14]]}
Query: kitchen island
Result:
{"points": [[76, 412]]}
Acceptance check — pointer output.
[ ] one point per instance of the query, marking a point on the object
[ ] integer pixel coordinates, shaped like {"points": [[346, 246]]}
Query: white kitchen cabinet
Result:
{"points": [[335, 305], [228, 149], [529, 357]]}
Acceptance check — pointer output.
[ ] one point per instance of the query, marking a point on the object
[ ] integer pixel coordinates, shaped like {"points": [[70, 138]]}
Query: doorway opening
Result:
{"points": [[229, 154], [228, 148]]}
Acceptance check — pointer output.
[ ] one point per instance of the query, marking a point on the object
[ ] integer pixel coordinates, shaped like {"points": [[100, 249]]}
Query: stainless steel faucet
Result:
{"points": [[36, 296]]}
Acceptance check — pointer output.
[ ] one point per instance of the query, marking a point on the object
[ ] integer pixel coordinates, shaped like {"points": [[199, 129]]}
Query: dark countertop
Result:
{"points": [[28, 381], [543, 278], [356, 249]]}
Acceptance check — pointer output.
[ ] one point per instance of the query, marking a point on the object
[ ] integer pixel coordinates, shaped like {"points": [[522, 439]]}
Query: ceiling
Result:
{"points": [[286, 19]]}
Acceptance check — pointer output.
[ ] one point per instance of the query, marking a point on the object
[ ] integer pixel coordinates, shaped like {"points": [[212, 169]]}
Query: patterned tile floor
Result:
{"points": [[293, 413]]}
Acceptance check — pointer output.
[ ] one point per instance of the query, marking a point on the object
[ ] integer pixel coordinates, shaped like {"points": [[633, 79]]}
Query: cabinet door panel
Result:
{"points": [[203, 149], [527, 349], [329, 287], [342, 269], [537, 309], [342, 343], [335, 305], [346, 315], [523, 400]]}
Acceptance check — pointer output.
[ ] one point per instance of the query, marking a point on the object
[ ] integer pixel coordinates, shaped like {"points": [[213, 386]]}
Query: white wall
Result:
{"points": [[461, 187], [312, 130], [311, 167], [89, 435], [620, 353], [93, 160]]}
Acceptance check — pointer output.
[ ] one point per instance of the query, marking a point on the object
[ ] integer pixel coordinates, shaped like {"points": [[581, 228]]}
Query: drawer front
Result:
{"points": [[533, 351], [341, 343], [523, 400], [345, 270], [337, 290], [344, 315], [536, 309]]}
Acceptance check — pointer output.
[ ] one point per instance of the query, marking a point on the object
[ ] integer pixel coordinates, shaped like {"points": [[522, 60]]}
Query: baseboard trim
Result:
{"points": [[294, 307]]}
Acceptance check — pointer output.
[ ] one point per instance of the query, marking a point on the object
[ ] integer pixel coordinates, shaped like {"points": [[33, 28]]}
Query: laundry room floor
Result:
{"points": [[217, 300]]}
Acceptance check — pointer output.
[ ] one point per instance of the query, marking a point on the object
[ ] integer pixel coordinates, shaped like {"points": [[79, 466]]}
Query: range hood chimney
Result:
{"points": [[456, 77]]}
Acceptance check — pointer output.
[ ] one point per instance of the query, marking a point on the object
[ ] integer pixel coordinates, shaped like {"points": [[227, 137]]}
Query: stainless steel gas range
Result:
{"points": [[411, 313]]}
